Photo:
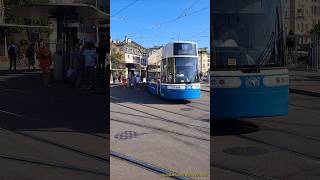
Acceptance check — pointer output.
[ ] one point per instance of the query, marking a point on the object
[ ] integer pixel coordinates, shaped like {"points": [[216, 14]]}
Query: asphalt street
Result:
{"points": [[51, 133], [173, 135]]}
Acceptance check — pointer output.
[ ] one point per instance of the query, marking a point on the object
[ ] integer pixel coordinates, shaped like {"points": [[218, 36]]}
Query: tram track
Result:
{"points": [[161, 129], [190, 126], [282, 148], [52, 164], [242, 172], [147, 166], [45, 141], [164, 110], [293, 133]]}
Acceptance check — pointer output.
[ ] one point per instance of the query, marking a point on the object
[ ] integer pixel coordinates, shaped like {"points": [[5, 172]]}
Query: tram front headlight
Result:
{"points": [[221, 82]]}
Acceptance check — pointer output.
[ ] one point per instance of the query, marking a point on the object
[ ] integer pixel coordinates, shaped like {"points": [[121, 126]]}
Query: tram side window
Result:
{"points": [[164, 71], [170, 71]]}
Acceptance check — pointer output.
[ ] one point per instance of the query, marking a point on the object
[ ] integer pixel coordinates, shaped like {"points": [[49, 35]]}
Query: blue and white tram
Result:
{"points": [[153, 78], [179, 77], [248, 74]]}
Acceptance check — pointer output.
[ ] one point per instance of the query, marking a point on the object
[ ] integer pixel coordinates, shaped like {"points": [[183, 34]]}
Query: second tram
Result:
{"points": [[179, 76], [248, 77]]}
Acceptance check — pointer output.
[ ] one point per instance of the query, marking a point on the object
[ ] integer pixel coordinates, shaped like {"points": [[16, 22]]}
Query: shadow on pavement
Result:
{"points": [[26, 105], [120, 94], [228, 127]]}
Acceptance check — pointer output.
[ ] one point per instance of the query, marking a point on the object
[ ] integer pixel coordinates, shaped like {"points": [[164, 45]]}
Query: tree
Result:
{"points": [[116, 60]]}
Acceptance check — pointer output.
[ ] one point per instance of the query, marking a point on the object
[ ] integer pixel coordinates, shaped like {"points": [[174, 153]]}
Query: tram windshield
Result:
{"points": [[186, 70], [247, 33]]}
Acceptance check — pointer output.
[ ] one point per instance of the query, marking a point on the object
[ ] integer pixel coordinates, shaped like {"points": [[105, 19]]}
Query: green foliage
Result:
{"points": [[316, 29], [116, 61]]}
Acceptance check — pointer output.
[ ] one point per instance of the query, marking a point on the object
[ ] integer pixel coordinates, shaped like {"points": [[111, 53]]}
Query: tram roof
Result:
{"points": [[181, 42]]}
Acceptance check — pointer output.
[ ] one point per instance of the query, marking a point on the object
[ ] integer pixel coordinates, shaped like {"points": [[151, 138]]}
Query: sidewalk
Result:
{"points": [[305, 82]]}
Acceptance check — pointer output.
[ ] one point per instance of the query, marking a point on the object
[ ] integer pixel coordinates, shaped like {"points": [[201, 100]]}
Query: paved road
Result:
{"points": [[55, 133], [272, 148], [170, 135]]}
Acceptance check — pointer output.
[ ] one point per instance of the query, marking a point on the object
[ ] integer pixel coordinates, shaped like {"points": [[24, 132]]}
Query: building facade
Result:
{"points": [[204, 61], [299, 17], [154, 55], [133, 55]]}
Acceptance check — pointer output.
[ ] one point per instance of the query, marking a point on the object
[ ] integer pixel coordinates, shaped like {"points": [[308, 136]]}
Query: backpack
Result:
{"points": [[11, 51]]}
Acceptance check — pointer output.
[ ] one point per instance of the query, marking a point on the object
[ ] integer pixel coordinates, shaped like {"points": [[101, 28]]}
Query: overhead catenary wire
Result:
{"points": [[124, 8]]}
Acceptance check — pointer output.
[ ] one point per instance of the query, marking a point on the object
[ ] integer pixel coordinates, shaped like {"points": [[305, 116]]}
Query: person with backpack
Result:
{"points": [[12, 52]]}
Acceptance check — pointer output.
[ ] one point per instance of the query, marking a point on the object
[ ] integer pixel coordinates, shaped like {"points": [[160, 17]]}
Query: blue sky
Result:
{"points": [[157, 22]]}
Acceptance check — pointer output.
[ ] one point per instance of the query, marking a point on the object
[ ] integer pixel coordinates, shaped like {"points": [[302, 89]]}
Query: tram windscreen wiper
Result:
{"points": [[264, 54]]}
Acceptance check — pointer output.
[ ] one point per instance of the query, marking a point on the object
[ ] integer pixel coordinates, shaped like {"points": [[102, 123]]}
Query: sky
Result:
{"points": [[157, 22]]}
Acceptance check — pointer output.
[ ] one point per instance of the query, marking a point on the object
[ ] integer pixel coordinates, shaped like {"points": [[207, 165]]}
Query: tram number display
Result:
{"points": [[232, 61], [184, 49]]}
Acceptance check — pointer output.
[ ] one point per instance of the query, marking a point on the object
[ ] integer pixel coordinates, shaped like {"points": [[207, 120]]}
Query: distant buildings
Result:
{"points": [[299, 17], [132, 54], [154, 55], [204, 61]]}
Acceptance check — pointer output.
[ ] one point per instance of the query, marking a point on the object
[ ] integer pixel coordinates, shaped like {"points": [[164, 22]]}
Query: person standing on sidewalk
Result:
{"points": [[30, 56], [12, 52], [80, 67], [102, 54], [45, 61], [90, 59]]}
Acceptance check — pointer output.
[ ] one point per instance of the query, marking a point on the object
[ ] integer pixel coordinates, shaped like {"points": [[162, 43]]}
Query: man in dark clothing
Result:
{"points": [[102, 51], [12, 52]]}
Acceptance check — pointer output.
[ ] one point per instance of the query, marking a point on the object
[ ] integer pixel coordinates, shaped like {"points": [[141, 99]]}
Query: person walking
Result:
{"points": [[80, 66], [45, 61], [102, 50], [90, 59], [114, 79], [137, 81], [30, 56], [12, 52]]}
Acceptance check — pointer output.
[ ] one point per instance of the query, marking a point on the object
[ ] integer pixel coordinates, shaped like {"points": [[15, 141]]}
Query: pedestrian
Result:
{"points": [[90, 59], [45, 61], [12, 52], [124, 82], [119, 78], [30, 56], [79, 66], [114, 79], [137, 81], [102, 50]]}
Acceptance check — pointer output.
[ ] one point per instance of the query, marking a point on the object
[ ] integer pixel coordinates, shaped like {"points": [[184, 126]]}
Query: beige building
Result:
{"points": [[204, 61], [300, 16], [154, 55]]}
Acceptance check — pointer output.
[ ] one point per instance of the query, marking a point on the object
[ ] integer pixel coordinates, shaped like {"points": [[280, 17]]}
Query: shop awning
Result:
{"points": [[23, 26], [51, 9]]}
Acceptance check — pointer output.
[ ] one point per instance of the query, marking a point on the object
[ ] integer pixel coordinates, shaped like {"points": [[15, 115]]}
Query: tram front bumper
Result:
{"points": [[249, 104]]}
